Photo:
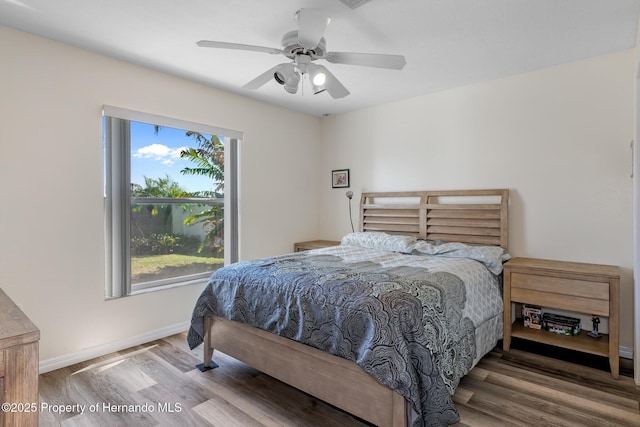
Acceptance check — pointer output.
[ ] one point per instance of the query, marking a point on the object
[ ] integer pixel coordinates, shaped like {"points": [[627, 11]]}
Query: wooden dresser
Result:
{"points": [[590, 289], [19, 365]]}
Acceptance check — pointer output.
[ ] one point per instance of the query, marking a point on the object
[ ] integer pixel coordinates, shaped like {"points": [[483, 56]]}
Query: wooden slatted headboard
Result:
{"points": [[468, 216]]}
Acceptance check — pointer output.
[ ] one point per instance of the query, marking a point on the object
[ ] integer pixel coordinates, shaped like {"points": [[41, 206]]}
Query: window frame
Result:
{"points": [[117, 174]]}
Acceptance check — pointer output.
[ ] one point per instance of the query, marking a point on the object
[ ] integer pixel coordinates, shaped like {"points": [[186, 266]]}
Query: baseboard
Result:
{"points": [[626, 352], [90, 353]]}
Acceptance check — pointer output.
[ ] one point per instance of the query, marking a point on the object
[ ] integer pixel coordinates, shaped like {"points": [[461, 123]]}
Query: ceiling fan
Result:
{"points": [[303, 47]]}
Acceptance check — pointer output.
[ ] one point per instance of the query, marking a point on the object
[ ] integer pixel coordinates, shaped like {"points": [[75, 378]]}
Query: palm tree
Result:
{"points": [[157, 187], [209, 161]]}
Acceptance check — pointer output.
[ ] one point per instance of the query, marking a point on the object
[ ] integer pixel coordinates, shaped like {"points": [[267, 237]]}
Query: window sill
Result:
{"points": [[149, 289]]}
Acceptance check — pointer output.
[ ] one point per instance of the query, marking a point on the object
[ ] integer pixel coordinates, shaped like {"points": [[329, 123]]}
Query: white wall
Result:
{"points": [[558, 138], [52, 252]]}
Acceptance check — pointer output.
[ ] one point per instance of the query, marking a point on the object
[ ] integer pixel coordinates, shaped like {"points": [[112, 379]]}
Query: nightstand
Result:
{"points": [[314, 244], [591, 289]]}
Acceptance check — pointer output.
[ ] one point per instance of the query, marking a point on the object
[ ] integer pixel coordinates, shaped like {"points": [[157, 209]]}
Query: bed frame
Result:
{"points": [[470, 216]]}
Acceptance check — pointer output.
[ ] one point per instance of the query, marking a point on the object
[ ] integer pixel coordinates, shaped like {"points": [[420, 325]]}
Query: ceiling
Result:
{"points": [[446, 43]]}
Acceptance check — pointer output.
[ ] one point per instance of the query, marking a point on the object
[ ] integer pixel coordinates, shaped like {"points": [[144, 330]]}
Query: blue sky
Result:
{"points": [[156, 156]]}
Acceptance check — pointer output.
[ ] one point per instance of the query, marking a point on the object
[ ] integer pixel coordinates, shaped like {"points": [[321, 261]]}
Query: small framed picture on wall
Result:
{"points": [[340, 178]]}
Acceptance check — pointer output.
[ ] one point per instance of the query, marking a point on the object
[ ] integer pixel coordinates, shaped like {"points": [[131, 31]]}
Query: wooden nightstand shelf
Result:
{"points": [[314, 244], [591, 289]]}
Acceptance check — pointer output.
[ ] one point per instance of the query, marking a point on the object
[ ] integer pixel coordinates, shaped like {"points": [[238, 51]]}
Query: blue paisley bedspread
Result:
{"points": [[405, 323]]}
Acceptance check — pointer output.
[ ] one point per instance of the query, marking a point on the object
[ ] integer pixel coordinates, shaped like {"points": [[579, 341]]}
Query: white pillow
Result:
{"points": [[382, 241], [491, 256]]}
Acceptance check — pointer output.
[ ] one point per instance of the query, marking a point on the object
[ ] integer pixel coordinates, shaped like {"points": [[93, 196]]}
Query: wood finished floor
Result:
{"points": [[506, 389]]}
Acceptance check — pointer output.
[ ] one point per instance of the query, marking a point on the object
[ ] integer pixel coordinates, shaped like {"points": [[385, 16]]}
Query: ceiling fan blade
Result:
{"points": [[238, 46], [394, 62], [332, 84], [312, 24], [261, 80]]}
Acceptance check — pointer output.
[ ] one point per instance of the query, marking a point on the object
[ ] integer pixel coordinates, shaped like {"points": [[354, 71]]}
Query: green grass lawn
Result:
{"points": [[155, 267]]}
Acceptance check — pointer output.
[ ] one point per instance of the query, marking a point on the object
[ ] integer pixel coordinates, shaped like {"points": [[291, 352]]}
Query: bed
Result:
{"points": [[378, 326]]}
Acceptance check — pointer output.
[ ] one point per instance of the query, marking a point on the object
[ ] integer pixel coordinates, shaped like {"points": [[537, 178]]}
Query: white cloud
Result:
{"points": [[159, 152]]}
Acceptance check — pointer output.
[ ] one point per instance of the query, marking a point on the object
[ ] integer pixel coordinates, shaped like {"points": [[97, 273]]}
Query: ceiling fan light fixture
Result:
{"points": [[279, 77], [319, 79], [318, 88], [292, 82], [287, 76]]}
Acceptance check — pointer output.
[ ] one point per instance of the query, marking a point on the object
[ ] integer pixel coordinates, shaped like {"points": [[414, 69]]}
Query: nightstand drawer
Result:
{"points": [[560, 285], [561, 301]]}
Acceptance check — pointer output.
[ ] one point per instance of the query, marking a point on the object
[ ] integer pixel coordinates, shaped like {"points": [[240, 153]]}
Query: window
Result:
{"points": [[170, 201]]}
